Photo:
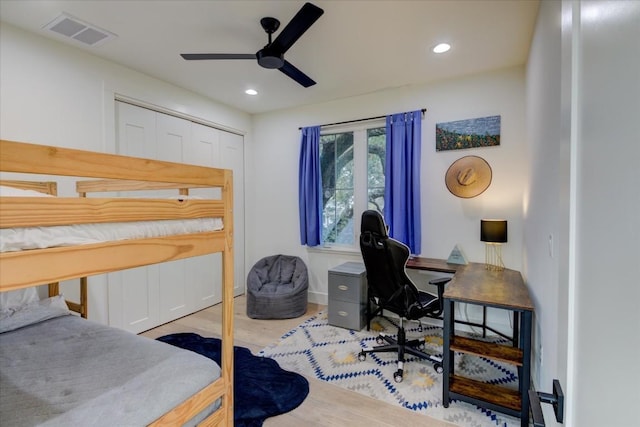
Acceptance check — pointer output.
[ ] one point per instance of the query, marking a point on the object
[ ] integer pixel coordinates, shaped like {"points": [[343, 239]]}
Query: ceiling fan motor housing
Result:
{"points": [[268, 58]]}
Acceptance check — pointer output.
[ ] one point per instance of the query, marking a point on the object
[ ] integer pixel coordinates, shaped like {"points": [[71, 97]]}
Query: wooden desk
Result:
{"points": [[473, 284], [442, 266], [432, 264]]}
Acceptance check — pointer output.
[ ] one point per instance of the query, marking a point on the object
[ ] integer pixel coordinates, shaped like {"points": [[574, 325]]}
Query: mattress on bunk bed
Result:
{"points": [[57, 369], [17, 239]]}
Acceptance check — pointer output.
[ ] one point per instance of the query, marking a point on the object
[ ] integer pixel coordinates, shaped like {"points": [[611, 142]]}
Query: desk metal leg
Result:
{"points": [[525, 377], [447, 355], [484, 321], [516, 328]]}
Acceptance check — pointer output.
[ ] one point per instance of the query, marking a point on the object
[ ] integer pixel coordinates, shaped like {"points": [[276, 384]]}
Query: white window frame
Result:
{"points": [[360, 180]]}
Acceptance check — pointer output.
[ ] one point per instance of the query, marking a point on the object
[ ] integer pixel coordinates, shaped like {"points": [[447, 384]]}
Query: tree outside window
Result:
{"points": [[340, 191], [376, 149]]}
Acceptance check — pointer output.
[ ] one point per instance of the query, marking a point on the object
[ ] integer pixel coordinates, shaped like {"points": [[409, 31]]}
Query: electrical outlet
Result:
{"points": [[551, 245]]}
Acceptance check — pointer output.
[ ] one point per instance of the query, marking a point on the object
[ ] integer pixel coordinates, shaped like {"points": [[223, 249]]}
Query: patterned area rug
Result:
{"points": [[318, 350]]}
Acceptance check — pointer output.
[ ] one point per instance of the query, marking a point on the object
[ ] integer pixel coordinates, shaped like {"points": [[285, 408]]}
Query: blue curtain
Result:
{"points": [[402, 178], [310, 187]]}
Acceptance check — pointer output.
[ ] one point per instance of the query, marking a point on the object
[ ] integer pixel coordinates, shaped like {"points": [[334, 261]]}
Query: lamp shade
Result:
{"points": [[493, 230]]}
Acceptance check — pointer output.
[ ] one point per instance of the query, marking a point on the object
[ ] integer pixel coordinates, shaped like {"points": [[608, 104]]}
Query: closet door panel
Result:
{"points": [[176, 292], [173, 134], [135, 131], [205, 273], [204, 149], [232, 157], [133, 294], [133, 299]]}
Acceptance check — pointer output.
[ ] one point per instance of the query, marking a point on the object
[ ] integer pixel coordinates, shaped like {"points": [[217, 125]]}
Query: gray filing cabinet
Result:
{"points": [[348, 296]]}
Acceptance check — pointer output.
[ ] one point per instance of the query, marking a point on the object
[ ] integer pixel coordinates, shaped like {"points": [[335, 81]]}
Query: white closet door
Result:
{"points": [[133, 295], [174, 134], [204, 273], [176, 292], [232, 157], [146, 297], [136, 131], [133, 299]]}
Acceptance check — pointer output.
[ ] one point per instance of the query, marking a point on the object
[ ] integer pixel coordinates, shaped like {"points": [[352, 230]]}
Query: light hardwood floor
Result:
{"points": [[326, 405]]}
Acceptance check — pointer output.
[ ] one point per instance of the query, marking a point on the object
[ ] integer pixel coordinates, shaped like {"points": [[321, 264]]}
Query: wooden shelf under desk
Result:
{"points": [[506, 290], [490, 393], [503, 353]]}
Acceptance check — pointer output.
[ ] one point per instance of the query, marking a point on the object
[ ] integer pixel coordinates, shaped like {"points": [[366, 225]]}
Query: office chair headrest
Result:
{"points": [[373, 222]]}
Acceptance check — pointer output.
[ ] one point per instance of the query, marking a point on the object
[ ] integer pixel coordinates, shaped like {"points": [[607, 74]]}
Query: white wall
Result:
{"points": [[607, 229], [583, 101], [54, 94], [446, 219], [546, 204]]}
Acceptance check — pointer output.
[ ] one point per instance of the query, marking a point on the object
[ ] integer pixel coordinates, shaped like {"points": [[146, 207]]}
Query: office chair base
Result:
{"points": [[409, 347], [397, 377]]}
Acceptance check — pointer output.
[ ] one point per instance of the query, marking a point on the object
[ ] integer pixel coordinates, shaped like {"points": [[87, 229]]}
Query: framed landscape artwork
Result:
{"points": [[470, 133]]}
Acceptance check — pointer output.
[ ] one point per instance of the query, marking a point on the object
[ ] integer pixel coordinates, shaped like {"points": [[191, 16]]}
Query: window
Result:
{"points": [[376, 148], [336, 164], [352, 167]]}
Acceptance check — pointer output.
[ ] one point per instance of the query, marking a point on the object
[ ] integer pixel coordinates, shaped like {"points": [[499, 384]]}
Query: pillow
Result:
{"points": [[17, 298], [34, 312]]}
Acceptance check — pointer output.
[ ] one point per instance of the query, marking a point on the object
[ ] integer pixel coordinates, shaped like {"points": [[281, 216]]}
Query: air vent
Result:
{"points": [[74, 28]]}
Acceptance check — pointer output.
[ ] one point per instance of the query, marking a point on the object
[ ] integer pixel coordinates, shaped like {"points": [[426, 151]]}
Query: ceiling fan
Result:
{"points": [[272, 55]]}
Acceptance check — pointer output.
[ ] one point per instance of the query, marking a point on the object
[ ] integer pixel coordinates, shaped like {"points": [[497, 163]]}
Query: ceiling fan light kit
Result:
{"points": [[271, 56]]}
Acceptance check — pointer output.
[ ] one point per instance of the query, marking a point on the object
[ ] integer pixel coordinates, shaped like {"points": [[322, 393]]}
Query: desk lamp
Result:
{"points": [[494, 233]]}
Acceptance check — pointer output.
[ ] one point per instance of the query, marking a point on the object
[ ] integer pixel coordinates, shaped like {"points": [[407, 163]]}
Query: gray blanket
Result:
{"points": [[68, 371]]}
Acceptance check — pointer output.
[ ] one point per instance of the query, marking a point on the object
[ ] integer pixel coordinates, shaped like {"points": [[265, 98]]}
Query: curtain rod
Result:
{"points": [[360, 120]]}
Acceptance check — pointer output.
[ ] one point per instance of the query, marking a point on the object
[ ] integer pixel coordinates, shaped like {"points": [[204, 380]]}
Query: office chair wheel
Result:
{"points": [[362, 356], [397, 377], [438, 367]]}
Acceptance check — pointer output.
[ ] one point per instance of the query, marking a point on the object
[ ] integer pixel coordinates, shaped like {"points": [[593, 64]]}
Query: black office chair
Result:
{"points": [[390, 288]]}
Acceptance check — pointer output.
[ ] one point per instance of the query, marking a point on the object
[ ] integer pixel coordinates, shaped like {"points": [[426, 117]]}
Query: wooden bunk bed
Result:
{"points": [[51, 188], [34, 267]]}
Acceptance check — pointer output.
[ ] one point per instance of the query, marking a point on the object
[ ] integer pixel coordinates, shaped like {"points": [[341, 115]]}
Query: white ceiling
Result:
{"points": [[356, 47]]}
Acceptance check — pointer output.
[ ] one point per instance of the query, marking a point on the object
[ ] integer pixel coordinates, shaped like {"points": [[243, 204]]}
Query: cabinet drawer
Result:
{"points": [[347, 288], [347, 314]]}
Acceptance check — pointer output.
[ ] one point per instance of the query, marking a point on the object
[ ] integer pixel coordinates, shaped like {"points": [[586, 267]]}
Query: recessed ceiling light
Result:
{"points": [[441, 48], [251, 92]]}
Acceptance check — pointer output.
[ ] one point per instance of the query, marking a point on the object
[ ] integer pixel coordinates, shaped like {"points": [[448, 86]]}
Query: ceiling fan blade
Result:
{"points": [[197, 56], [296, 74], [300, 23]]}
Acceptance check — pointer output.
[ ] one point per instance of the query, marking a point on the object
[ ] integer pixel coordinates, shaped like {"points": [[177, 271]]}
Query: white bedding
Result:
{"points": [[17, 239]]}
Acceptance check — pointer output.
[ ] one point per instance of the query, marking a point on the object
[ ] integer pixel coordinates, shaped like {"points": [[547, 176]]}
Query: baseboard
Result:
{"points": [[318, 298]]}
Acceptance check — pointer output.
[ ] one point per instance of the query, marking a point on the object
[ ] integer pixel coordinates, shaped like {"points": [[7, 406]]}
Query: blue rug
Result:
{"points": [[261, 388]]}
